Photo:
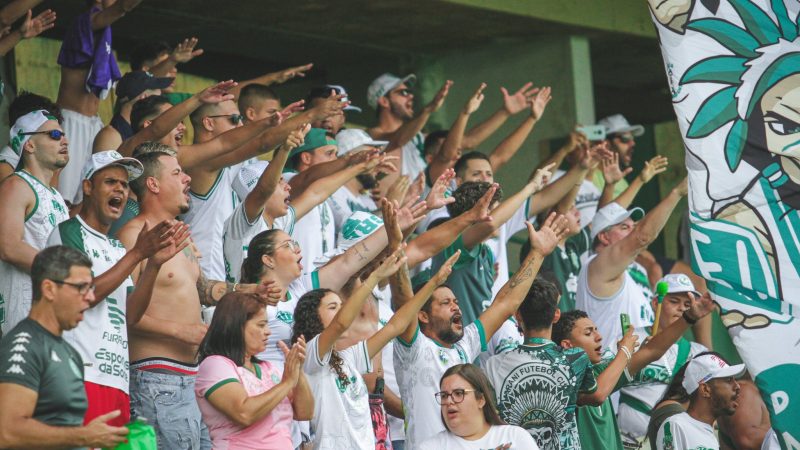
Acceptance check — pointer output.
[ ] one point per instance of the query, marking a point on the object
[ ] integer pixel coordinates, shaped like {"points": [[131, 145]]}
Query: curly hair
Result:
{"points": [[563, 328], [468, 194], [308, 324]]}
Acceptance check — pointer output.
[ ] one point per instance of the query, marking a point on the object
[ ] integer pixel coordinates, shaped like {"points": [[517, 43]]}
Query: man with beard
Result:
{"points": [[438, 339], [102, 337], [713, 393], [29, 208], [163, 344], [620, 138]]}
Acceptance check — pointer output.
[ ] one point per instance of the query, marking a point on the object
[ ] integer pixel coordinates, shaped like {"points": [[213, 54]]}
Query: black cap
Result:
{"points": [[134, 83]]}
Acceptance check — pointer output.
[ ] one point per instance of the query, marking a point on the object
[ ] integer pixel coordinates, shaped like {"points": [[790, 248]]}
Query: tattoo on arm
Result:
{"points": [[523, 274], [211, 291], [364, 248]]}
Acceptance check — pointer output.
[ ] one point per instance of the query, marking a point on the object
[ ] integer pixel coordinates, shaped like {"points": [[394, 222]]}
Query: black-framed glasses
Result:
{"points": [[83, 288], [405, 92], [55, 135], [457, 395], [235, 119]]}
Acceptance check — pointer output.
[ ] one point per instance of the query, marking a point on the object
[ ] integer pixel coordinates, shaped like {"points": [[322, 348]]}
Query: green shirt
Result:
{"points": [[32, 357], [177, 97], [565, 264], [597, 425], [472, 277]]}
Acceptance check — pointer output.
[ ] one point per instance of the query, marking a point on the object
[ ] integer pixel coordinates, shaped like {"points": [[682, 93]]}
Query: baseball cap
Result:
{"points": [[613, 214], [385, 83], [247, 178], [357, 227], [325, 91], [619, 124], [101, 160], [351, 139], [704, 368], [315, 138], [27, 124], [679, 283], [132, 84]]}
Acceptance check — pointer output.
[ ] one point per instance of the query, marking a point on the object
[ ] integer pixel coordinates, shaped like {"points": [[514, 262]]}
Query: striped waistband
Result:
{"points": [[165, 366]]}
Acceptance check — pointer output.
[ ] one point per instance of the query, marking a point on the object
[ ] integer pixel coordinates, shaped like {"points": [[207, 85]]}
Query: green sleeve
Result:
{"points": [[467, 256]]}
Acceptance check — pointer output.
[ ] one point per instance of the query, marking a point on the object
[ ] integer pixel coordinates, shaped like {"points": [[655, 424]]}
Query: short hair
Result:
{"points": [[55, 263], [251, 94], [152, 168], [320, 92], [432, 139], [147, 108], [225, 335], [148, 52], [473, 375], [461, 165], [151, 147], [563, 328], [205, 110], [539, 307], [468, 194], [27, 102], [429, 302]]}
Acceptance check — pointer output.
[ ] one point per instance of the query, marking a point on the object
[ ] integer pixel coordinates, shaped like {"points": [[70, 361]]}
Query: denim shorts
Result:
{"points": [[168, 403]]}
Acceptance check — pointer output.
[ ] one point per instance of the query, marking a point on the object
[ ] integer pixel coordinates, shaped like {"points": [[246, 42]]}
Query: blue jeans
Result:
{"points": [[168, 403], [398, 445]]}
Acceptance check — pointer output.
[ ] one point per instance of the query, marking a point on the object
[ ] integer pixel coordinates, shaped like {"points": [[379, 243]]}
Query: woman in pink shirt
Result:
{"points": [[248, 403]]}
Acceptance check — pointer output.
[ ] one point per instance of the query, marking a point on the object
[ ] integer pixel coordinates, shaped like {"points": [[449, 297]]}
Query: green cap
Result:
{"points": [[315, 139]]}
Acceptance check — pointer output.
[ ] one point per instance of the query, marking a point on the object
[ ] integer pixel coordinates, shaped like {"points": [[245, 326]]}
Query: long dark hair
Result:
{"points": [[262, 244], [473, 375], [225, 335], [308, 324], [675, 390]]}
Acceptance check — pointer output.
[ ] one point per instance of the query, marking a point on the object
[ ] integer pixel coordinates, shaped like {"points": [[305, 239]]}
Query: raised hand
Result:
{"points": [[294, 358], [409, 216], [292, 72], [296, 138], [653, 167], [379, 162], [390, 223], [220, 92], [185, 50], [475, 101], [287, 112], [436, 197], [98, 433], [518, 101], [446, 269], [539, 102], [438, 100], [152, 240], [480, 212], [392, 264], [702, 306], [35, 26], [176, 239], [397, 191], [415, 191], [595, 154], [629, 341], [331, 106], [542, 176], [611, 170], [549, 235]]}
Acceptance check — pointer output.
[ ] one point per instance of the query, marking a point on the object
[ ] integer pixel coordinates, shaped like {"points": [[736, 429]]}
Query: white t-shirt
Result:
{"points": [[505, 339], [499, 245], [587, 199], [15, 284], [419, 366], [342, 417], [206, 218], [102, 336], [8, 156], [280, 318], [682, 432], [344, 203], [315, 231], [499, 437], [385, 313], [413, 162], [238, 232], [633, 298]]}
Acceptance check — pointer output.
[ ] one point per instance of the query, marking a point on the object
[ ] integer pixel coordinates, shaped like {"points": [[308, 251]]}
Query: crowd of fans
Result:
{"points": [[353, 292]]}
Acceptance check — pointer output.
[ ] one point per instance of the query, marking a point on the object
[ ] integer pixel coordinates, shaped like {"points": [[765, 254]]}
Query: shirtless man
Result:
{"points": [[163, 345]]}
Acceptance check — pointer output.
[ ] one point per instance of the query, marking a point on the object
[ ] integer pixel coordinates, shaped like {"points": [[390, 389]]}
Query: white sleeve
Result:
{"points": [[404, 351], [286, 223], [314, 361], [237, 226], [671, 437], [358, 357], [517, 221], [505, 339], [522, 439], [474, 340]]}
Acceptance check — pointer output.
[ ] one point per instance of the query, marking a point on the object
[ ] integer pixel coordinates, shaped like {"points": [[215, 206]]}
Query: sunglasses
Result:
{"points": [[405, 92], [55, 135], [83, 288], [457, 395], [625, 139], [235, 119]]}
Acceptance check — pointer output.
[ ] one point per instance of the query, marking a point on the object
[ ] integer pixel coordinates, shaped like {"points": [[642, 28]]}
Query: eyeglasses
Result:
{"points": [[293, 245], [235, 119], [625, 139], [55, 135], [457, 395], [405, 92], [83, 288]]}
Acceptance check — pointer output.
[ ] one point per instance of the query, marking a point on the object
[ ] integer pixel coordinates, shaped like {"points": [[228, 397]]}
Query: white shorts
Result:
{"points": [[80, 131]]}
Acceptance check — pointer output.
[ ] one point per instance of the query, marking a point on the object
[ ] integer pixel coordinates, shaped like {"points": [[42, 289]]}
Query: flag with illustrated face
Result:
{"points": [[734, 72]]}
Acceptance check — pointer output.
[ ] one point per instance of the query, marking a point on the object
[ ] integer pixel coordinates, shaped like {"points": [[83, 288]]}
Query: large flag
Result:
{"points": [[734, 72]]}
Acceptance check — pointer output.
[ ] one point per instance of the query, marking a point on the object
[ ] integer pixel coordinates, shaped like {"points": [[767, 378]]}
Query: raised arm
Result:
{"points": [[451, 148], [608, 379], [108, 16], [278, 77], [31, 27], [513, 292], [408, 130], [182, 53], [14, 10], [512, 104], [512, 143], [405, 320], [655, 166], [606, 269]]}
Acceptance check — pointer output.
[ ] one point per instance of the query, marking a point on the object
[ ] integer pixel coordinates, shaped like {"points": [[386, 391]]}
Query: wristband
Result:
{"points": [[235, 285], [688, 319], [626, 352]]}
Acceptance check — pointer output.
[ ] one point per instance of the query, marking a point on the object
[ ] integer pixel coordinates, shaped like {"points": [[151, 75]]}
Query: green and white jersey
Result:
{"points": [[597, 425], [419, 365], [413, 162], [315, 231], [238, 232], [32, 357], [15, 284], [647, 387], [9, 156], [472, 277], [344, 203], [683, 432], [565, 264], [537, 386], [102, 336]]}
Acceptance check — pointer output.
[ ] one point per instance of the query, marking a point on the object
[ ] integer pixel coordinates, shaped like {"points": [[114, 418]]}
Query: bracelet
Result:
{"points": [[235, 285], [626, 352], [689, 320]]}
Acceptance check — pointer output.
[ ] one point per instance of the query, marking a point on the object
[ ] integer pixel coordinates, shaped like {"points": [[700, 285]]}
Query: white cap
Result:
{"points": [[678, 283], [101, 160], [613, 214], [358, 226], [619, 124], [247, 178], [27, 123], [385, 83], [703, 368], [351, 139]]}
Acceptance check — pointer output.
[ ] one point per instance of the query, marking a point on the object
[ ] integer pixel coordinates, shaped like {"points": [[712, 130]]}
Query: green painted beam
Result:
{"points": [[619, 16]]}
